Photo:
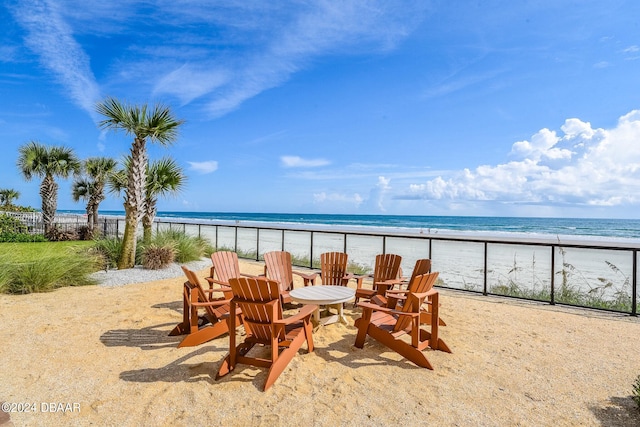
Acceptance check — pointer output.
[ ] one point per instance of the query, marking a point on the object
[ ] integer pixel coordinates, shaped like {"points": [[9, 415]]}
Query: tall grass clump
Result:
{"points": [[187, 248], [109, 249], [53, 267]]}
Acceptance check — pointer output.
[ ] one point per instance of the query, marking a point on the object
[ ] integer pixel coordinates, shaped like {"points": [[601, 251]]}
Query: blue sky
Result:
{"points": [[399, 107]]}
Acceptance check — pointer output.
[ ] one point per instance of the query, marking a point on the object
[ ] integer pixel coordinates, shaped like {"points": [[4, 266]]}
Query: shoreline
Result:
{"points": [[429, 233]]}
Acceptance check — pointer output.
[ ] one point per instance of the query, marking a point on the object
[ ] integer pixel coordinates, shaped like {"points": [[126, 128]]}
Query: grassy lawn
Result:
{"points": [[24, 252]]}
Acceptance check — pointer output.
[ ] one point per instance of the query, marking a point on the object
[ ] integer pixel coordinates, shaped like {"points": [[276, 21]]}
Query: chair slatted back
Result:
{"points": [[195, 290], [259, 300], [423, 266], [333, 267], [387, 267], [419, 284], [278, 267], [225, 266]]}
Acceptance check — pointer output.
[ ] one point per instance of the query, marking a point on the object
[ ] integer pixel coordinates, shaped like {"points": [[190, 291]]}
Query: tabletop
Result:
{"points": [[322, 294]]}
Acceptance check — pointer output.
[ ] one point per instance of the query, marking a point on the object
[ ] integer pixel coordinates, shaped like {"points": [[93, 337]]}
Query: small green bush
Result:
{"points": [[187, 248], [110, 250], [21, 237], [636, 391], [9, 224], [157, 257]]}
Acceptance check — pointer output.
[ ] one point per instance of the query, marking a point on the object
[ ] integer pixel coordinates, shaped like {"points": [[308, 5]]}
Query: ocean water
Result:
{"points": [[550, 227]]}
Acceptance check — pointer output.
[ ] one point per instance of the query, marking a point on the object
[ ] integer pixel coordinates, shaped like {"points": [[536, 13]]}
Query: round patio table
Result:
{"points": [[324, 295]]}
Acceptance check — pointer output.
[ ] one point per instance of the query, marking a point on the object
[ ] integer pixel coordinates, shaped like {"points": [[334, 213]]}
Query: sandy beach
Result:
{"points": [[102, 354]]}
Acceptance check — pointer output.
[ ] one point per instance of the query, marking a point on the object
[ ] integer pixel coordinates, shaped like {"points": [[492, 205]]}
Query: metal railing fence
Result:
{"points": [[600, 275]]}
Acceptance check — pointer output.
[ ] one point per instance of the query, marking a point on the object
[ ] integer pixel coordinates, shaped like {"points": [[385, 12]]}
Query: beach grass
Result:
{"points": [[185, 247], [41, 267]]}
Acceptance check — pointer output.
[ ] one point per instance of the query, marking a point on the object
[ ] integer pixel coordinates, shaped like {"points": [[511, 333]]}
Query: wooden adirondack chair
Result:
{"points": [[216, 312], [333, 269], [385, 275], [393, 296], [259, 300], [278, 267], [224, 266], [387, 325]]}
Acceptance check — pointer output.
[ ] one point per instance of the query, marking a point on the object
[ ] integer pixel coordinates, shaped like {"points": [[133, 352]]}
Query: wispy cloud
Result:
{"points": [[204, 167], [51, 38], [191, 58], [299, 162]]}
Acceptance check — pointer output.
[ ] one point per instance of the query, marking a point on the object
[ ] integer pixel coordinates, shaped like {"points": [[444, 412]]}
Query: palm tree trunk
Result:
{"points": [[48, 193], [128, 254], [147, 220], [134, 202], [94, 219]]}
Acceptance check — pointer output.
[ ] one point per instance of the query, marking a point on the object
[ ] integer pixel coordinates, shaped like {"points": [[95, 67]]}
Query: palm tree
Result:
{"points": [[157, 125], [164, 177], [91, 188], [7, 195], [47, 162]]}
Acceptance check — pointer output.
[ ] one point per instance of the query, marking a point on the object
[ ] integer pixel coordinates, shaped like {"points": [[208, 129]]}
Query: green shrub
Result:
{"points": [[156, 257], [21, 237], [110, 250], [636, 391], [11, 224], [187, 248]]}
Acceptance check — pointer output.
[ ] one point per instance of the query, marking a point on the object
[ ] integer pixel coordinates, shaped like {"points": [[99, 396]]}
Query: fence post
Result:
{"points": [[553, 275], [311, 252], [634, 284], [257, 244], [484, 292]]}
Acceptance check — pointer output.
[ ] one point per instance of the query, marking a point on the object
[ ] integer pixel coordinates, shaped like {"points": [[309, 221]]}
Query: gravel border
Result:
{"points": [[139, 275]]}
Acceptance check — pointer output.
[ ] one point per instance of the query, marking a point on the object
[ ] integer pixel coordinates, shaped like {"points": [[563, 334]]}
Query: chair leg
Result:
{"points": [[205, 334], [402, 348], [363, 325], [282, 360]]}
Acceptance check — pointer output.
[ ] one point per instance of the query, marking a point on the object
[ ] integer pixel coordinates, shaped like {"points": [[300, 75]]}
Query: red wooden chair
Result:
{"points": [[385, 275], [259, 300], [333, 268], [278, 267], [388, 325], [224, 266], [215, 319]]}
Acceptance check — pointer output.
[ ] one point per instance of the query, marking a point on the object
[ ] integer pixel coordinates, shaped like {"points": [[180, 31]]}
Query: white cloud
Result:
{"points": [[204, 167], [324, 197], [51, 38], [299, 162], [601, 169], [188, 83]]}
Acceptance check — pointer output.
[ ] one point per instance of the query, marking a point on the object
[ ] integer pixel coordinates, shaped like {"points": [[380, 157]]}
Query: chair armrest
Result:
{"points": [[211, 281], [374, 307], [390, 282], [359, 278], [216, 303], [248, 275], [224, 287], [305, 311], [307, 277]]}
